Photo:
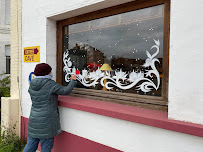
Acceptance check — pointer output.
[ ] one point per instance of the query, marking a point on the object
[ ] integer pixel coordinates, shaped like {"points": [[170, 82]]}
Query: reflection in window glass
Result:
{"points": [[121, 53]]}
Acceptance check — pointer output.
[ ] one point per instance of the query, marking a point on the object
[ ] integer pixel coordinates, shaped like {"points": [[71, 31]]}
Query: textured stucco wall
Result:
{"points": [[186, 72], [16, 48]]}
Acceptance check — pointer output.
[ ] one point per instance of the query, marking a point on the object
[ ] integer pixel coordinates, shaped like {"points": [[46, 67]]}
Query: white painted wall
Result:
{"points": [[185, 76], [186, 72], [39, 29], [126, 136]]}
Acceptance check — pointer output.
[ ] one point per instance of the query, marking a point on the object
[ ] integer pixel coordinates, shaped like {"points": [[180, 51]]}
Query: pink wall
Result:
{"points": [[67, 142]]}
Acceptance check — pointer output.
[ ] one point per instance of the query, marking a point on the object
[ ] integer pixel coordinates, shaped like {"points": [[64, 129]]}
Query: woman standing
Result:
{"points": [[44, 122]]}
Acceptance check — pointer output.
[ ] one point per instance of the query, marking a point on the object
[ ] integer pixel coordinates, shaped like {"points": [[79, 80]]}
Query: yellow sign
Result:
{"points": [[32, 54]]}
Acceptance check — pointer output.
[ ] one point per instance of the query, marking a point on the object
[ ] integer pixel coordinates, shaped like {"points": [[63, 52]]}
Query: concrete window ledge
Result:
{"points": [[148, 117]]}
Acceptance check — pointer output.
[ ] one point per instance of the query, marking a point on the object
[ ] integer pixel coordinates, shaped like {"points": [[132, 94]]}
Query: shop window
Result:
{"points": [[120, 55]]}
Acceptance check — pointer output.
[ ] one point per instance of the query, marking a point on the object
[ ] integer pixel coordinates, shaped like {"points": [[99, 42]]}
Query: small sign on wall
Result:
{"points": [[32, 54]]}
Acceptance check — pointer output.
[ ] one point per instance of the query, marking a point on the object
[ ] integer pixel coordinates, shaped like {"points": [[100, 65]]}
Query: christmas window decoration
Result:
{"points": [[120, 53]]}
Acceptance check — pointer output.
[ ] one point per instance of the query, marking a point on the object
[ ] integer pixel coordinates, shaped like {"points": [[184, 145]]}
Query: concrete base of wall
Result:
{"points": [[10, 114]]}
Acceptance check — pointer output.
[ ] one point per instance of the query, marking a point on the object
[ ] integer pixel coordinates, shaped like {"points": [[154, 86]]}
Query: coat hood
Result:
{"points": [[37, 84]]}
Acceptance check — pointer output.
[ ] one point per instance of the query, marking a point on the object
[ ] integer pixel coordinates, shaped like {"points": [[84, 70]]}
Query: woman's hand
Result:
{"points": [[73, 77]]}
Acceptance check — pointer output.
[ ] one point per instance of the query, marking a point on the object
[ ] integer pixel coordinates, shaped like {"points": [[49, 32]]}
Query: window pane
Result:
{"points": [[8, 61], [7, 50], [121, 53]]}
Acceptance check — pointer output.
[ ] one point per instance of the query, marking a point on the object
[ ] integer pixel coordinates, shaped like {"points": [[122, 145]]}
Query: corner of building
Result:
{"points": [[10, 113]]}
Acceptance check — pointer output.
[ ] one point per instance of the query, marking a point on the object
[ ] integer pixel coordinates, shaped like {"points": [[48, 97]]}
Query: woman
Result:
{"points": [[44, 122]]}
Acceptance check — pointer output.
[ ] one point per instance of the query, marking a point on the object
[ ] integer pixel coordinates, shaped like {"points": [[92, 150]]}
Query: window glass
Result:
{"points": [[7, 50], [8, 59], [121, 53]]}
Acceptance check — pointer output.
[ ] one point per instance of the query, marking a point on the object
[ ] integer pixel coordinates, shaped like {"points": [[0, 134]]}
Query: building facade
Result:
{"points": [[5, 37], [153, 79]]}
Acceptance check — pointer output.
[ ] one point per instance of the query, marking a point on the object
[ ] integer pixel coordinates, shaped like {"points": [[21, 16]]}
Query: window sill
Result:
{"points": [[148, 117], [141, 101]]}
